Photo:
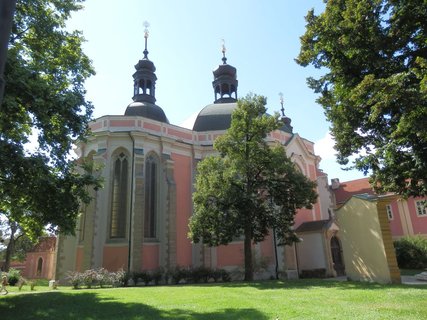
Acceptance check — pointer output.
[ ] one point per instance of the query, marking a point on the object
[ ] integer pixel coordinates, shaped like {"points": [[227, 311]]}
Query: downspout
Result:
{"points": [[131, 200]]}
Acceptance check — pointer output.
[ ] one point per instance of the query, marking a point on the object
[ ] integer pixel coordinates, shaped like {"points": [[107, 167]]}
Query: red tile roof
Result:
{"points": [[350, 188]]}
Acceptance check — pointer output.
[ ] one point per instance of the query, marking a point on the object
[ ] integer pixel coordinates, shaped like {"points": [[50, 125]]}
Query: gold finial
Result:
{"points": [[223, 49], [146, 26], [146, 33]]}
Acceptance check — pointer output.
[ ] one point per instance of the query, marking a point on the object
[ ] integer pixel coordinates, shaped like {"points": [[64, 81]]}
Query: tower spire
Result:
{"points": [[285, 120], [225, 80], [223, 49], [146, 33], [144, 88], [282, 109]]}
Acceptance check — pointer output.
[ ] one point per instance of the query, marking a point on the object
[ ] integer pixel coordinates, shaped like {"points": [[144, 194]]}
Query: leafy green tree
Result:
{"points": [[44, 98], [250, 187], [374, 89], [14, 243]]}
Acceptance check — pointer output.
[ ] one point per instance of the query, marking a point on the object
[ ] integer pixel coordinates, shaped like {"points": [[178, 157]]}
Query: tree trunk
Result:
{"points": [[10, 246], [249, 275], [9, 250]]}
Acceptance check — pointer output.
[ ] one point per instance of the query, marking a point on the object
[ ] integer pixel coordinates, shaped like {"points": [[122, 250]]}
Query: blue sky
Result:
{"points": [[262, 41]]}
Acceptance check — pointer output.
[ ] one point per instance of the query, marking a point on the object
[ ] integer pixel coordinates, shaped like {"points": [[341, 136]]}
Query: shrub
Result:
{"points": [[157, 275], [90, 278], [313, 273], [135, 276], [200, 274], [178, 274], [103, 277], [120, 278], [216, 275], [411, 252], [13, 276], [225, 276], [145, 277], [75, 279]]}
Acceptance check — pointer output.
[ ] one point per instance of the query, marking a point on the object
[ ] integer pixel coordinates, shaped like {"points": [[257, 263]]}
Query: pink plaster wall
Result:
{"points": [[267, 248], [182, 175], [303, 215], [151, 126], [312, 172], [150, 256], [79, 259], [317, 210], [115, 258], [230, 255], [31, 263], [122, 123], [180, 134], [419, 223]]}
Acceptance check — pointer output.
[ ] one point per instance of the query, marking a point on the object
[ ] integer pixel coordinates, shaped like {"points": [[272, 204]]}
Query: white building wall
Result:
{"points": [[311, 253]]}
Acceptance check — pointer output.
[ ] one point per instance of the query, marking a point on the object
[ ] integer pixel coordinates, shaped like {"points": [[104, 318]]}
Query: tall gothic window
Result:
{"points": [[39, 266], [150, 215], [119, 197]]}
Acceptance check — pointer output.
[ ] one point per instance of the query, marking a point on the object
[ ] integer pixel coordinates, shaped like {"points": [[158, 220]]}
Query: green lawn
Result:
{"points": [[304, 299]]}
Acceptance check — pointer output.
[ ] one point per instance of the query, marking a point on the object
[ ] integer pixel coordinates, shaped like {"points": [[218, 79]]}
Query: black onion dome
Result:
{"points": [[225, 70], [146, 110], [215, 117], [145, 65]]}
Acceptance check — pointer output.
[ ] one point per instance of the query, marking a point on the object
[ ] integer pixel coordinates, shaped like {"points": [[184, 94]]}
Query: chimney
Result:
{"points": [[335, 183]]}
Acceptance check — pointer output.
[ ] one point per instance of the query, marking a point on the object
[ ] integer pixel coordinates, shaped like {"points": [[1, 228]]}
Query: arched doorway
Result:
{"points": [[337, 256]]}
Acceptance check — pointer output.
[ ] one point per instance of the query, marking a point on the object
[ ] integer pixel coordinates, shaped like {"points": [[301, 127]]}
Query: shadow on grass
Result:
{"points": [[59, 305]]}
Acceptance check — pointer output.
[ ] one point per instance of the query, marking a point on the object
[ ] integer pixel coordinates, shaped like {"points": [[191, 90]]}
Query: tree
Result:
{"points": [[250, 188], [14, 244], [374, 89], [44, 99]]}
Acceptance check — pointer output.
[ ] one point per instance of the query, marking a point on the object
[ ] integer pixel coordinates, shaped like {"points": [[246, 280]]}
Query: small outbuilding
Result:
{"points": [[366, 239]]}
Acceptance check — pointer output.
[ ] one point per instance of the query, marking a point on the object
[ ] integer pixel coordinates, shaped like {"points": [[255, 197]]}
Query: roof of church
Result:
{"points": [[312, 226], [146, 110], [216, 116], [350, 188]]}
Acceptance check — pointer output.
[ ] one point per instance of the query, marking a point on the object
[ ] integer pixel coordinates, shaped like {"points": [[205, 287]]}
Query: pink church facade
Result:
{"points": [[139, 219]]}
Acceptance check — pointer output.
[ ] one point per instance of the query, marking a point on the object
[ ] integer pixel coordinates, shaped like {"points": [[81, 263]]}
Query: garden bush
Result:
{"points": [[157, 275], [97, 277], [13, 276], [411, 252]]}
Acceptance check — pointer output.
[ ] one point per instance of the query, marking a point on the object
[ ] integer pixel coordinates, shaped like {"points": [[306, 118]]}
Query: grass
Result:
{"points": [[303, 299]]}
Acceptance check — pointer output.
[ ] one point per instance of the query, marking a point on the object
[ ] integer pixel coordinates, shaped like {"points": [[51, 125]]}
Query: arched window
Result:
{"points": [[119, 197], [150, 211], [39, 267]]}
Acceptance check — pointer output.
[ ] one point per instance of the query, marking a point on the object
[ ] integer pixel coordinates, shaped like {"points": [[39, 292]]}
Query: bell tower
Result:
{"points": [[144, 88], [225, 81]]}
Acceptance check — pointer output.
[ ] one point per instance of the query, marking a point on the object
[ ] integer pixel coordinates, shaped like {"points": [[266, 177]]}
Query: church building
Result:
{"points": [[139, 219]]}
